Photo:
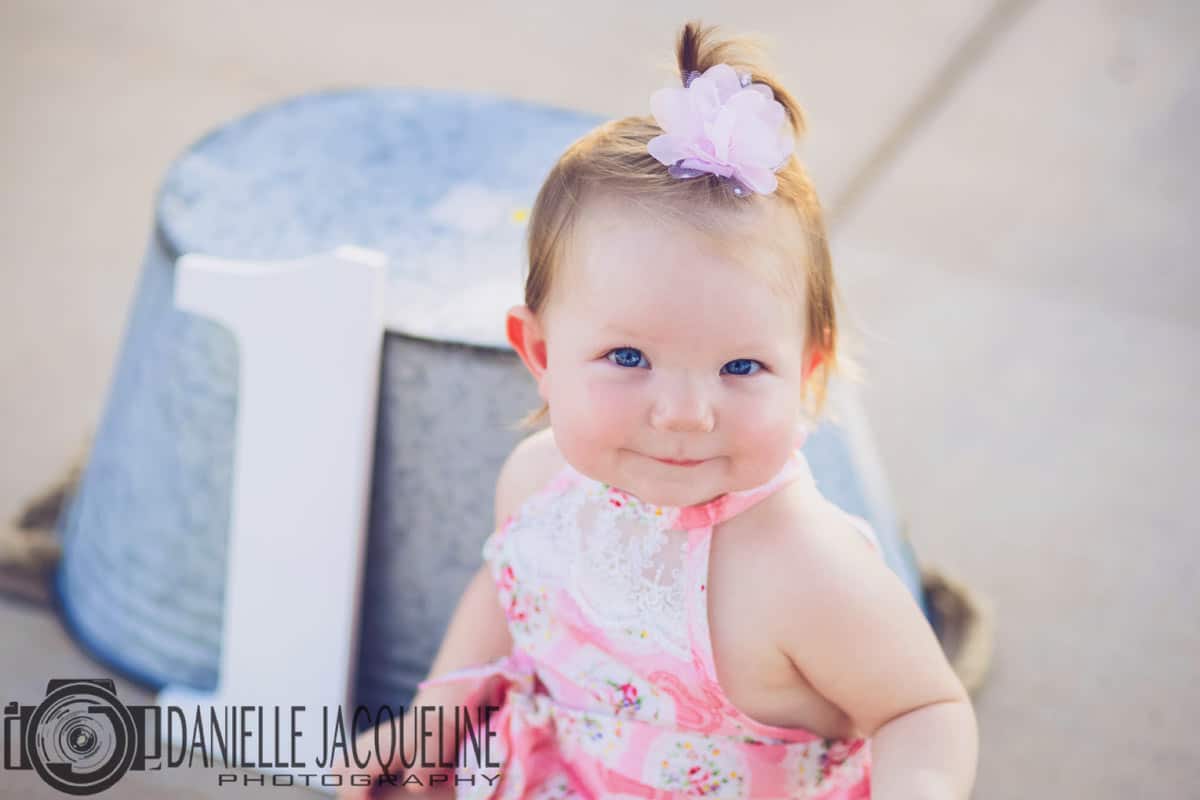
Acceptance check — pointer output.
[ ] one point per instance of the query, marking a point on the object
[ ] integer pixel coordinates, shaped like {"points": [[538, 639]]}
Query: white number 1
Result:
{"points": [[310, 335]]}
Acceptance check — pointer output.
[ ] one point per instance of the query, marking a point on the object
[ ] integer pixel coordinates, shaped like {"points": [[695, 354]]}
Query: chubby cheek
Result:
{"points": [[760, 433], [592, 420]]}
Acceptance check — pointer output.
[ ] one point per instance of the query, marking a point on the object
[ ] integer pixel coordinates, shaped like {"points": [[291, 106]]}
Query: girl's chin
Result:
{"points": [[672, 494]]}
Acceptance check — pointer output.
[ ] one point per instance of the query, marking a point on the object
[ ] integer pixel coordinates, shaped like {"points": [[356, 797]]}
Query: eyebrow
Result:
{"points": [[749, 345], [622, 331]]}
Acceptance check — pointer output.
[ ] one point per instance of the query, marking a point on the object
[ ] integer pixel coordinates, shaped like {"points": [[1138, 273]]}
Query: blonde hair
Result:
{"points": [[612, 160]]}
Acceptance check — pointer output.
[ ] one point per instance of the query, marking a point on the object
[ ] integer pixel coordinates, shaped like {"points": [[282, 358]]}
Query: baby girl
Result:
{"points": [[668, 606]]}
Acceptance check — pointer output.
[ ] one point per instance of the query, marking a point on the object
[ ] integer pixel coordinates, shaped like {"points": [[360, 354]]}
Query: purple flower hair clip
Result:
{"points": [[721, 123]]}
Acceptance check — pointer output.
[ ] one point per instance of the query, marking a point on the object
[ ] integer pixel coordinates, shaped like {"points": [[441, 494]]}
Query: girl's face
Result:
{"points": [[658, 346]]}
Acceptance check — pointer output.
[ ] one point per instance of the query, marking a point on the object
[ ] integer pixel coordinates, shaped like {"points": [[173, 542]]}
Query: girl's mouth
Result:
{"points": [[676, 463]]}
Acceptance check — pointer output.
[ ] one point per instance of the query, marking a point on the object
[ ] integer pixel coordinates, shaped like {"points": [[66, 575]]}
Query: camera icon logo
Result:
{"points": [[81, 739]]}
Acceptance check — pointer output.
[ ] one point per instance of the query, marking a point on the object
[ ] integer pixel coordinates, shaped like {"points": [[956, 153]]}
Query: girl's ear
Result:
{"points": [[817, 356], [526, 336], [814, 361]]}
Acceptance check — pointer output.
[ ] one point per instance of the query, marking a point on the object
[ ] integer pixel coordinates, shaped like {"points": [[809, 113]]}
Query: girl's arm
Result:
{"points": [[857, 635], [929, 752], [478, 630], [477, 633]]}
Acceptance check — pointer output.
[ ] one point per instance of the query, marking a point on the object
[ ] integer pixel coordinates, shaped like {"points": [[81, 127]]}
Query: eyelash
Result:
{"points": [[761, 366]]}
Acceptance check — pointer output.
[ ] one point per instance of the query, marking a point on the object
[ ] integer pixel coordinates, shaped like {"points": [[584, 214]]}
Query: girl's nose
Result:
{"points": [[684, 407]]}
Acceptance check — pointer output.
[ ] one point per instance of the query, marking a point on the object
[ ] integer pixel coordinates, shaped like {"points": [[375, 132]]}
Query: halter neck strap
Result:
{"points": [[719, 509]]}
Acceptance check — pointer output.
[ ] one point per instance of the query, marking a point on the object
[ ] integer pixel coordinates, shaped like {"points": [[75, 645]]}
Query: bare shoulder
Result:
{"points": [[798, 522], [799, 545], [852, 625], [819, 557], [809, 524], [533, 462]]}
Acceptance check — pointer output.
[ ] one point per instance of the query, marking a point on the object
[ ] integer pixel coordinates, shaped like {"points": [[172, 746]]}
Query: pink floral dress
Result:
{"points": [[610, 690]]}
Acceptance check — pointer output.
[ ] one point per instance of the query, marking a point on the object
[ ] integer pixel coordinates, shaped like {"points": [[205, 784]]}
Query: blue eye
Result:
{"points": [[626, 356], [743, 366]]}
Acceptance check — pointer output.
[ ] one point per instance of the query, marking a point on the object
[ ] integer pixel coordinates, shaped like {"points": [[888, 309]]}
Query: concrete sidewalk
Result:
{"points": [[1013, 189]]}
